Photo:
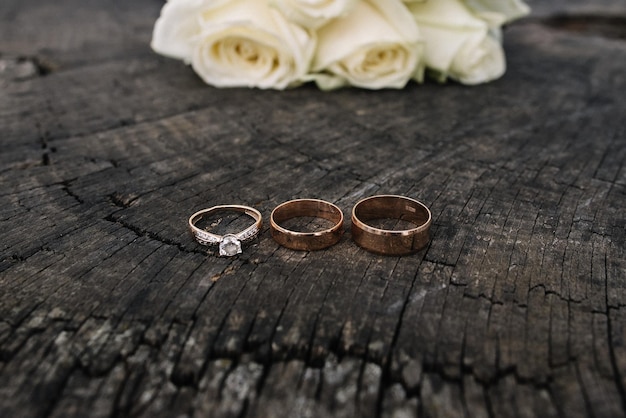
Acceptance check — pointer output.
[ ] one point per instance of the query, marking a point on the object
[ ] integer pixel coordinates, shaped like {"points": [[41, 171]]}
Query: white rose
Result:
{"points": [[240, 43], [479, 62], [377, 45], [177, 25], [459, 44], [313, 13]]}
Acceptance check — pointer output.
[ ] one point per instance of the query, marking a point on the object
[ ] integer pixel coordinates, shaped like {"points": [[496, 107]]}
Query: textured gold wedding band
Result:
{"points": [[229, 244], [387, 241], [306, 241]]}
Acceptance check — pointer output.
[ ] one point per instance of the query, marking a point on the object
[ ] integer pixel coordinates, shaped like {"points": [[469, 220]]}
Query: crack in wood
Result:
{"points": [[140, 232]]}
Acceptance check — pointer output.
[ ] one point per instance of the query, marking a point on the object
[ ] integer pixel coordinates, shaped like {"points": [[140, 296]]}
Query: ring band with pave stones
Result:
{"points": [[229, 244]]}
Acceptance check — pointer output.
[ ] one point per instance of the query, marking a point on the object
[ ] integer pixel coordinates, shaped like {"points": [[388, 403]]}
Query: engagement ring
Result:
{"points": [[229, 244]]}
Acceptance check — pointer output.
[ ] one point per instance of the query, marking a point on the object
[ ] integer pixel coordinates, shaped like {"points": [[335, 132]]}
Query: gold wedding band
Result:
{"points": [[390, 241], [229, 244], [306, 241]]}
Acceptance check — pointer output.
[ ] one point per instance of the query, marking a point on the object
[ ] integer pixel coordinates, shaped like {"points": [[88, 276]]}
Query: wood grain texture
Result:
{"points": [[109, 308]]}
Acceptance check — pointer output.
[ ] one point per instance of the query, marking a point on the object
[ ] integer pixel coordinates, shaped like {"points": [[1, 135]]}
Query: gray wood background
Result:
{"points": [[109, 308]]}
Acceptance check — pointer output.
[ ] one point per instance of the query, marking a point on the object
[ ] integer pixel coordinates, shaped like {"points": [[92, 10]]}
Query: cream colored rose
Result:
{"points": [[459, 44], [238, 43], [178, 24], [479, 62], [313, 13], [377, 45]]}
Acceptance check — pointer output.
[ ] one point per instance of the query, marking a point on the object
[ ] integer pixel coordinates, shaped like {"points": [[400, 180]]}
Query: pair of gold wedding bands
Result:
{"points": [[374, 239]]}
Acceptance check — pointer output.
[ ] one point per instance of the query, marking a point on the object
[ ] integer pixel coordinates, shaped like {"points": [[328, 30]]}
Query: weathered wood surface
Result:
{"points": [[108, 307]]}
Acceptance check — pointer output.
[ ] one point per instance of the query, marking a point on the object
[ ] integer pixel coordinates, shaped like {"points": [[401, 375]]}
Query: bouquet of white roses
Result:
{"points": [[364, 43]]}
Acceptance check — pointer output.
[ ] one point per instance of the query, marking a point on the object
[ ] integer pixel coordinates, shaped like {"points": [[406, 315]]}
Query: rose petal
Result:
{"points": [[177, 25], [313, 13], [510, 9], [446, 25]]}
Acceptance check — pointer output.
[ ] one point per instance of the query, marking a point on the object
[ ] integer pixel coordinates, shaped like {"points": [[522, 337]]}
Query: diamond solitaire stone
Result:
{"points": [[230, 246]]}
